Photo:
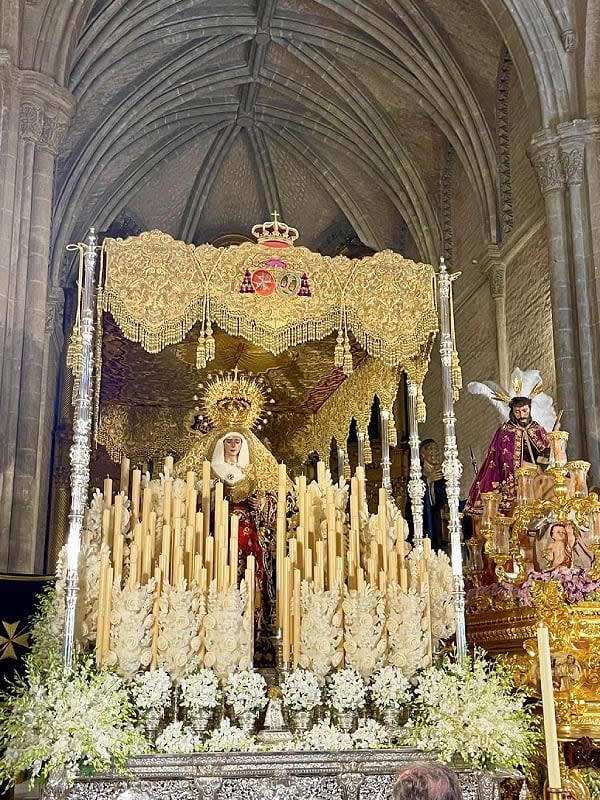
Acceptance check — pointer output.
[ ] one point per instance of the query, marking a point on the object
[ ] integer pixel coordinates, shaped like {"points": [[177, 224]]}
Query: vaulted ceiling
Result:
{"points": [[199, 117]]}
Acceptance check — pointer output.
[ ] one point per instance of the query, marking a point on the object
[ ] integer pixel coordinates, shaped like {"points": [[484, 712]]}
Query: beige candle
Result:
{"points": [[167, 500], [102, 594], [136, 479], [308, 564], [118, 514], [107, 492], [133, 563], [155, 617], [251, 581], [285, 612], [118, 558], [206, 497], [302, 500], [404, 579], [166, 552], [234, 549], [124, 481], [360, 580], [297, 616], [321, 473], [106, 537], [209, 559], [550, 735], [169, 465]]}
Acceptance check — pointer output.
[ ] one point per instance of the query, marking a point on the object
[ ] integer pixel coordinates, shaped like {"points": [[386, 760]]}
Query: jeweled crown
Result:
{"points": [[233, 399], [275, 233]]}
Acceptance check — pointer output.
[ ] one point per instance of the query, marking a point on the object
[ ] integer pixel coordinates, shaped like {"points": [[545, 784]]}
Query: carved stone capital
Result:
{"points": [[31, 121], [572, 161], [497, 279], [548, 166], [55, 304], [46, 109]]}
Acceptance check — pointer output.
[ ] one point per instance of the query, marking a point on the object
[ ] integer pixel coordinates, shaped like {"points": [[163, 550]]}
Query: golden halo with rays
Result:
{"points": [[234, 399]]}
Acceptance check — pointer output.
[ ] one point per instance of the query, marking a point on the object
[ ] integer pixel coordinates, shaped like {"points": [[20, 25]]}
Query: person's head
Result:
{"points": [[232, 445], [429, 451], [426, 781], [520, 411]]}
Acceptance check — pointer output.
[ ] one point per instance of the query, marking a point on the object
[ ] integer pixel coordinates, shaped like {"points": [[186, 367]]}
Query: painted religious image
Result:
{"points": [[560, 543]]}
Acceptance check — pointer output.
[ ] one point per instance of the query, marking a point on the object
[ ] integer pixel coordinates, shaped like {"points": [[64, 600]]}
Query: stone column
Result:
{"points": [[31, 129], [574, 137], [546, 158], [496, 272]]}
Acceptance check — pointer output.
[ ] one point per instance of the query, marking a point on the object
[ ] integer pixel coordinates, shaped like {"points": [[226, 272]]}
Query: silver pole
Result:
{"points": [[386, 473], [80, 449], [340, 461], [451, 467], [416, 484], [361, 448]]}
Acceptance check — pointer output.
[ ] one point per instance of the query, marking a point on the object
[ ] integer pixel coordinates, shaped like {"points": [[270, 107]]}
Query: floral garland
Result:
{"points": [[227, 630], [151, 690], [441, 597], [406, 628], [575, 582]]}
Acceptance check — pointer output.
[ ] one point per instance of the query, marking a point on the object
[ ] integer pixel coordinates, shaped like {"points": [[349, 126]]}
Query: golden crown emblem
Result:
{"points": [[232, 400], [275, 232]]}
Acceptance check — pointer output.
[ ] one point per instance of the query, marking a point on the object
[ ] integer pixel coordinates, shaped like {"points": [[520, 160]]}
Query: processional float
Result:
{"points": [[277, 297]]}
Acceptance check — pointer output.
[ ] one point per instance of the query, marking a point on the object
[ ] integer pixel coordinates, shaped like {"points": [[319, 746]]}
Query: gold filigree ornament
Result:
{"points": [[549, 600]]}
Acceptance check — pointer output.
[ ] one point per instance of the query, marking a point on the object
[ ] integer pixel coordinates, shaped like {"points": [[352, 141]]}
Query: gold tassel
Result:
{"points": [[338, 353], [421, 408], [201, 351], [209, 342], [347, 358]]}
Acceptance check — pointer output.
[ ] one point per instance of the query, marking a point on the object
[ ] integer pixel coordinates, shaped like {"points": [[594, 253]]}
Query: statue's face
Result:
{"points": [[232, 446], [522, 414]]}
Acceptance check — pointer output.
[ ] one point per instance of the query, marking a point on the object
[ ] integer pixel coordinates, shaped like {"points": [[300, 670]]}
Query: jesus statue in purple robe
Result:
{"points": [[519, 442]]}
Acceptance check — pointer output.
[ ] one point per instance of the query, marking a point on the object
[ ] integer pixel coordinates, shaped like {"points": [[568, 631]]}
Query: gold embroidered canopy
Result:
{"points": [[157, 288], [329, 334]]}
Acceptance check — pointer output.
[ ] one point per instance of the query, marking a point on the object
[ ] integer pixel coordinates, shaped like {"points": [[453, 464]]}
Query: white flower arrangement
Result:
{"points": [[181, 611], [441, 597], [301, 690], [176, 739], [370, 735], [57, 724], [131, 628], [407, 630], [473, 713], [200, 690], [324, 736], [228, 737], [365, 641], [320, 630], [390, 688], [346, 690], [227, 630], [245, 692], [151, 690]]}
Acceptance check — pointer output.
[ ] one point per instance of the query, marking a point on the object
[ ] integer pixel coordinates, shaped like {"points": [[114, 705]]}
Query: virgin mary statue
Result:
{"points": [[249, 472]]}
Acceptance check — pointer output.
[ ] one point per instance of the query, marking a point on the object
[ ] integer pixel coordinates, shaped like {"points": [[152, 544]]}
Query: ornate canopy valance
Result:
{"points": [[157, 288]]}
